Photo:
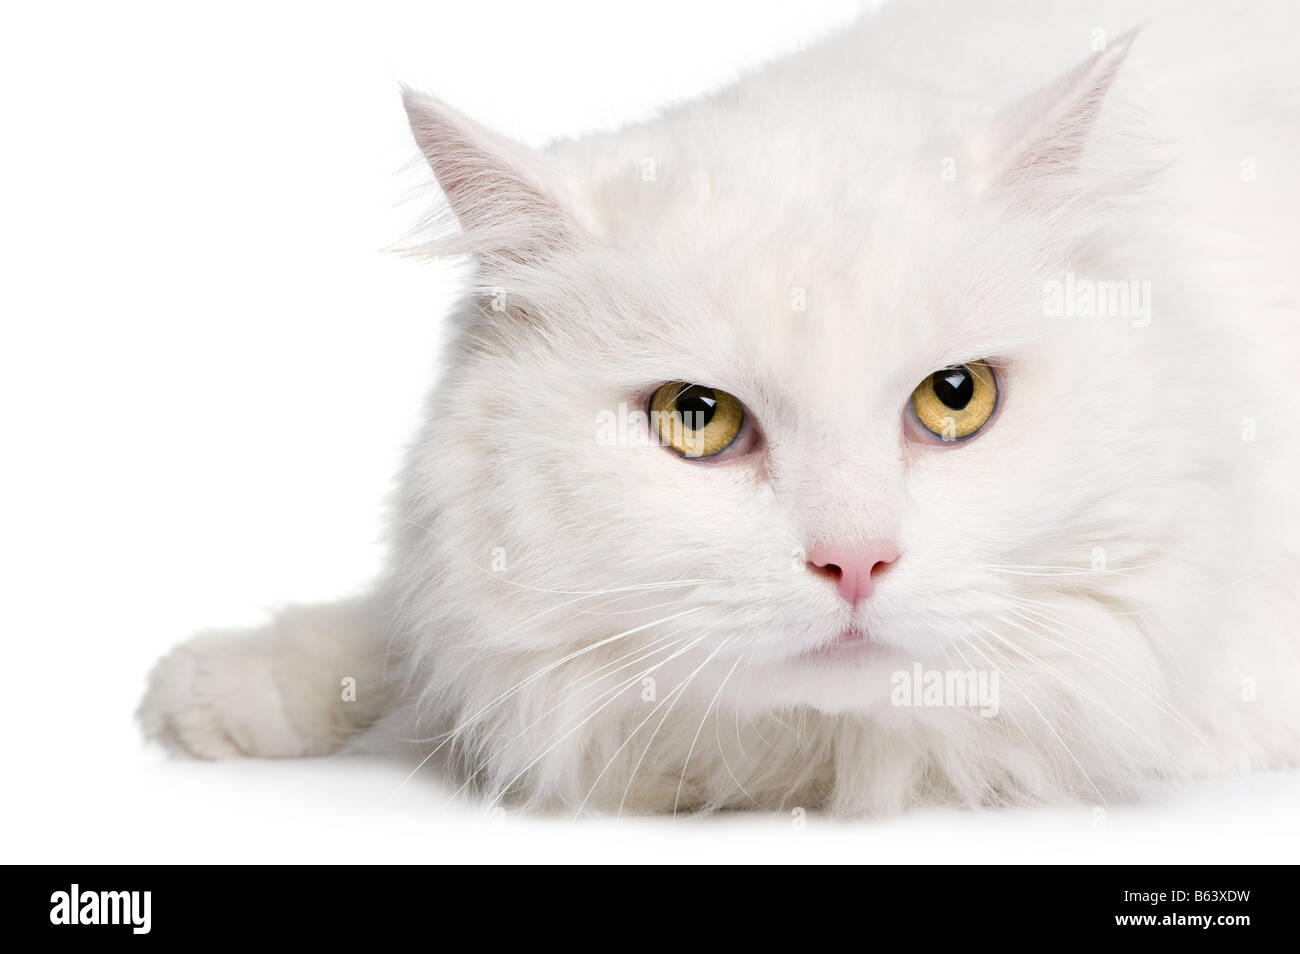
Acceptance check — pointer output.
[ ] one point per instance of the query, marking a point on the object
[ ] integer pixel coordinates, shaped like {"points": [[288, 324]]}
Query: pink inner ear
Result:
{"points": [[1046, 131], [483, 177]]}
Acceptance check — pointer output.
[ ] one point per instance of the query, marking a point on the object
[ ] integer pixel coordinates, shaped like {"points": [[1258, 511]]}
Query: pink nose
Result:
{"points": [[854, 569]]}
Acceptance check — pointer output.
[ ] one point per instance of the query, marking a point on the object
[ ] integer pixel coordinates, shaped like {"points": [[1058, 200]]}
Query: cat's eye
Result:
{"points": [[954, 403], [694, 420]]}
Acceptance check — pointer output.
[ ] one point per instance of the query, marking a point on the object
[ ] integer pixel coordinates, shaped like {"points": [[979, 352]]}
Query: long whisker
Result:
{"points": [[624, 744], [550, 748], [690, 751], [677, 693], [563, 694], [1142, 689], [994, 666], [453, 733], [619, 593], [722, 751], [1058, 675], [1055, 571], [535, 589], [610, 694], [1048, 724], [486, 651]]}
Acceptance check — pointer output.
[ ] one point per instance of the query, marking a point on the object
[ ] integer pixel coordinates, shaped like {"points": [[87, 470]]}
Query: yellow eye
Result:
{"points": [[693, 420], [955, 403]]}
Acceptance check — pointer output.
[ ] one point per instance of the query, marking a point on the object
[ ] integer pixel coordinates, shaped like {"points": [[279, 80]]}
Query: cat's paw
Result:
{"points": [[216, 696]]}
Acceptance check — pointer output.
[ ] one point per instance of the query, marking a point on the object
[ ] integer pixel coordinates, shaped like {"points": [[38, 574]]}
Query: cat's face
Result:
{"points": [[821, 306]]}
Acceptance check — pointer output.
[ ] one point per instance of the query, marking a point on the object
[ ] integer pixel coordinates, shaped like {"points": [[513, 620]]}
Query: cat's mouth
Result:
{"points": [[849, 645]]}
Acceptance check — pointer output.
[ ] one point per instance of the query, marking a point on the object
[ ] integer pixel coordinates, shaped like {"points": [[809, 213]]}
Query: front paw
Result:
{"points": [[216, 696]]}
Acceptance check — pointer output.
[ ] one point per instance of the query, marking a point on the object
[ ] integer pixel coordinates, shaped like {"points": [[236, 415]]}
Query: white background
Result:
{"points": [[207, 373]]}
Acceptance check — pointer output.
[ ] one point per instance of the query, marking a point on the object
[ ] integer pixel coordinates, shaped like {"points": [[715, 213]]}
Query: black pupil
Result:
{"points": [[954, 387], [697, 406]]}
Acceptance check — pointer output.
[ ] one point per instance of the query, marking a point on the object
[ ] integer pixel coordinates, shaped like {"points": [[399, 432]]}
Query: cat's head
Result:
{"points": [[909, 445]]}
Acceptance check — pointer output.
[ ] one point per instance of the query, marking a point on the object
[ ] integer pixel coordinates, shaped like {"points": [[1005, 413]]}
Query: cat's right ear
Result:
{"points": [[510, 204]]}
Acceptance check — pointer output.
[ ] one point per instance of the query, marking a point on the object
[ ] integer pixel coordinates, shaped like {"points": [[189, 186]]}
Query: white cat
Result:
{"points": [[906, 423]]}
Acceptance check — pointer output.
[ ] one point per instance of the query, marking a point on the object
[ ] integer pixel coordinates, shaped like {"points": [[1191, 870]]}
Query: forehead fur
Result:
{"points": [[756, 234]]}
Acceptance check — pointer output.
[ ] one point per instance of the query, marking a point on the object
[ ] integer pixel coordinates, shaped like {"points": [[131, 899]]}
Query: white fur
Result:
{"points": [[621, 563]]}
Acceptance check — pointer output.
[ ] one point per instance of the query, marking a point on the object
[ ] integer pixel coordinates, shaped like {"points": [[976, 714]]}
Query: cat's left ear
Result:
{"points": [[1045, 134], [511, 205]]}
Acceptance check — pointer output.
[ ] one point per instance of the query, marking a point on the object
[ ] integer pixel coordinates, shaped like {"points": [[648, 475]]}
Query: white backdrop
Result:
{"points": [[209, 368]]}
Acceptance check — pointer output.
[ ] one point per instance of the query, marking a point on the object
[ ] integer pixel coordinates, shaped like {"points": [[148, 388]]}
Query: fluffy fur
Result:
{"points": [[571, 623]]}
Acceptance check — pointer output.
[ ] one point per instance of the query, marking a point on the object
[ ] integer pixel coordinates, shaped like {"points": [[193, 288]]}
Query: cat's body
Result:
{"points": [[576, 617]]}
